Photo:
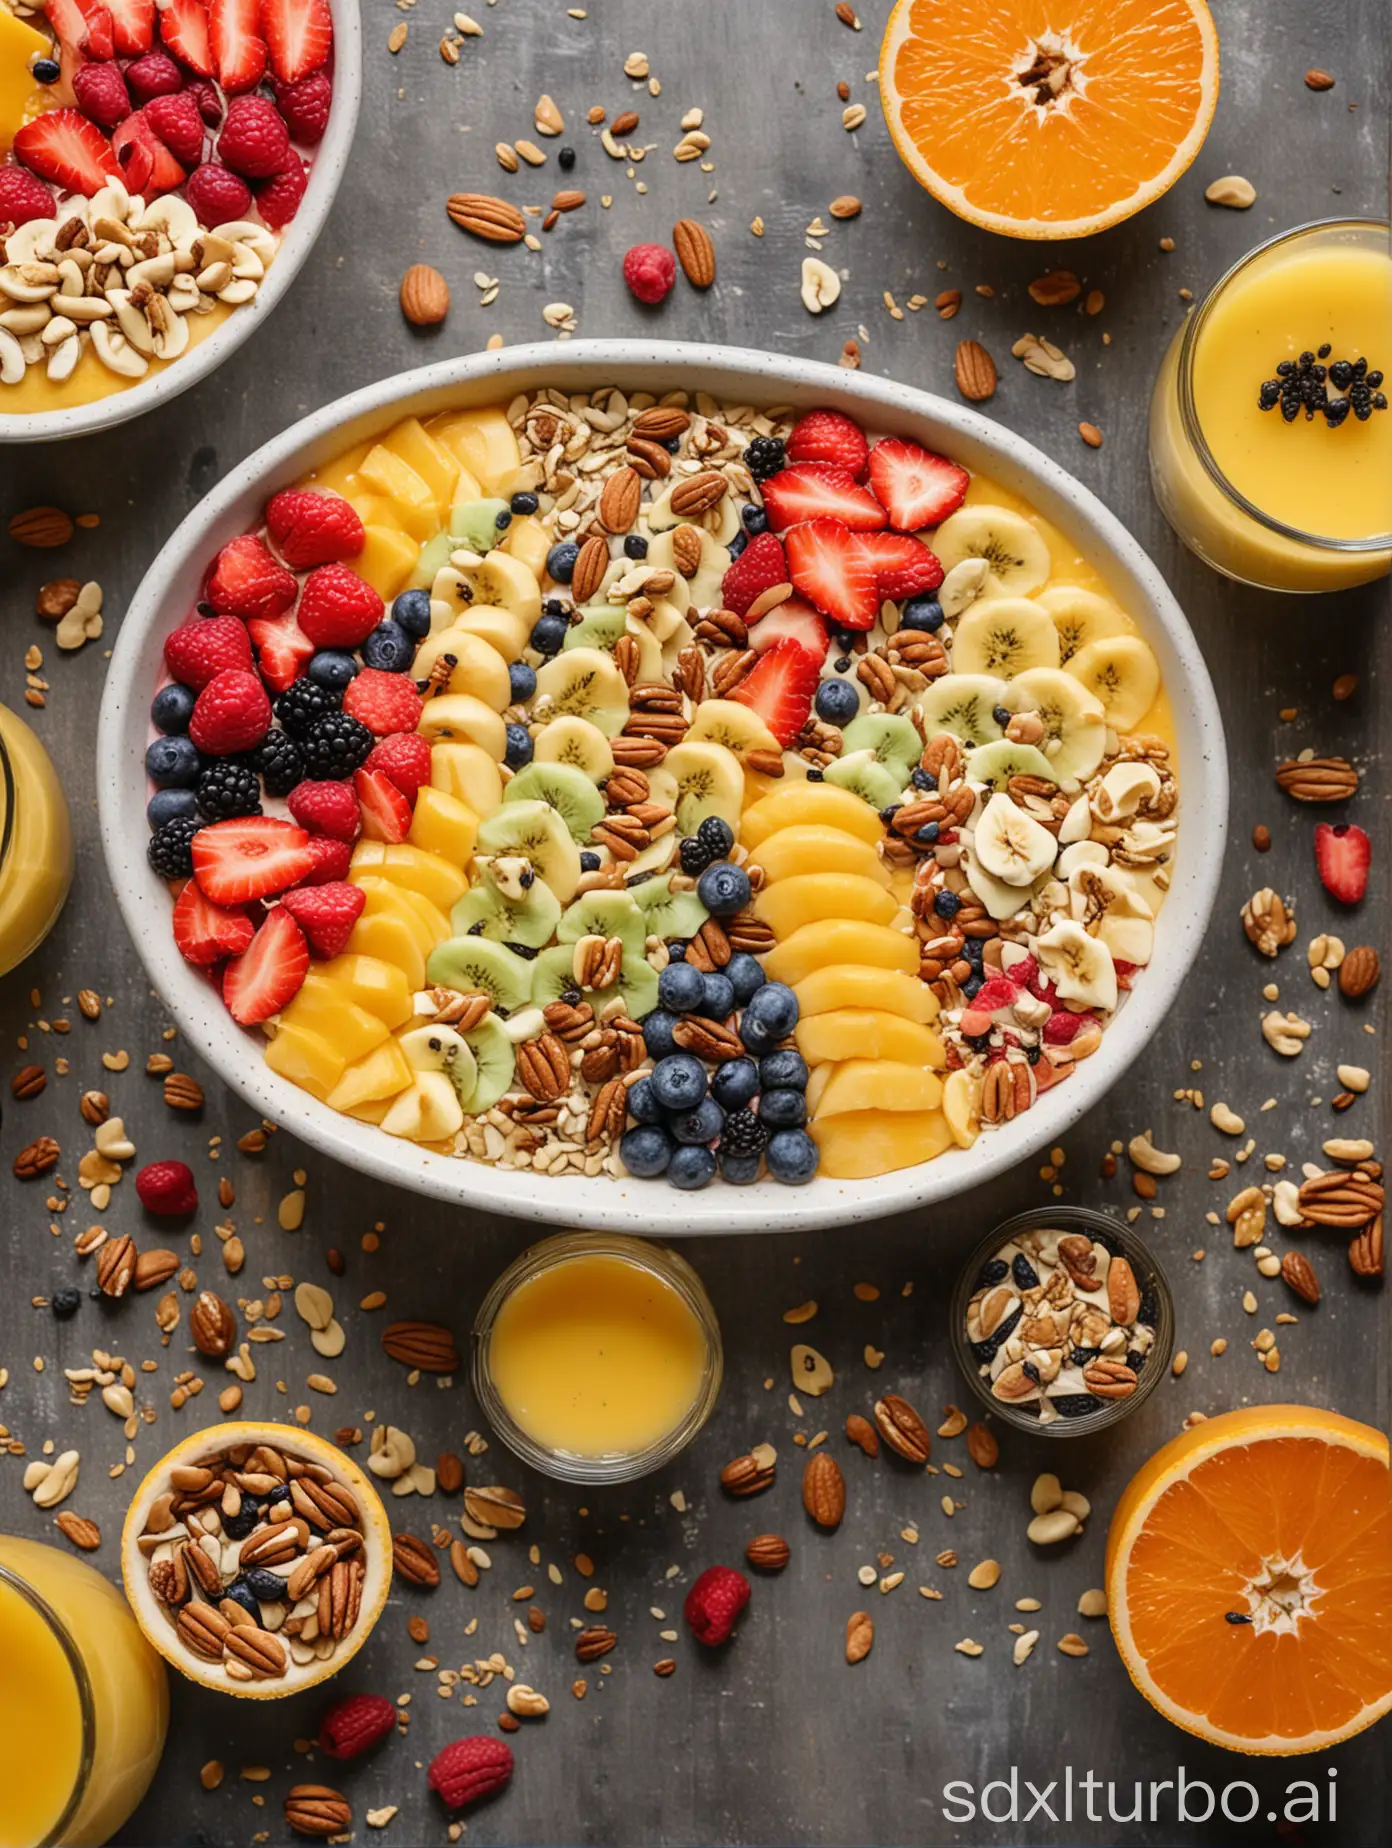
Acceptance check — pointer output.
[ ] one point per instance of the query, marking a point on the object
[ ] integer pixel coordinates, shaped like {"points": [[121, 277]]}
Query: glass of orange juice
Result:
{"points": [[84, 1701], [1274, 488], [597, 1358], [36, 856]]}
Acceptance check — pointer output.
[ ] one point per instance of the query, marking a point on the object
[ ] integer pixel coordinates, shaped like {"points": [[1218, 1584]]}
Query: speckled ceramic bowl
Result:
{"points": [[737, 376], [297, 240]]}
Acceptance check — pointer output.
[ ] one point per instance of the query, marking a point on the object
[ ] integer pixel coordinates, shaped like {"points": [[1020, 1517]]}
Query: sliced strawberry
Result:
{"points": [[270, 974], [830, 565], [183, 26], [919, 488], [326, 914], [1343, 854], [791, 621], [247, 580], [283, 650], [758, 568], [133, 26], [204, 932], [829, 436], [386, 814], [298, 35], [816, 491], [63, 146], [101, 29], [84, 30], [780, 688], [239, 51], [250, 857], [904, 567], [147, 166]]}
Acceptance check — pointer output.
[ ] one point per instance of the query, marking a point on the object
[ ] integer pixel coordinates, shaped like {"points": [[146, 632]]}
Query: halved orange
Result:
{"points": [[1249, 1579], [1048, 120]]}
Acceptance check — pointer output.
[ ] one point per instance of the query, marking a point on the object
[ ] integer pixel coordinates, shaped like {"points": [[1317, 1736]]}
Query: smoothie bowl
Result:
{"points": [[164, 170], [540, 781]]}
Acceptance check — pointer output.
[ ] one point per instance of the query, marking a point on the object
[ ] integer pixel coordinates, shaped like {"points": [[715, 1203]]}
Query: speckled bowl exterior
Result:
{"points": [[297, 240], [735, 375]]}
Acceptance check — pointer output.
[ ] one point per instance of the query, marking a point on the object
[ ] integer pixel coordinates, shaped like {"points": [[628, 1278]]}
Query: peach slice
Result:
{"points": [[792, 903], [851, 985], [864, 1143], [867, 1033], [887, 1085], [793, 851], [811, 805], [840, 940]]}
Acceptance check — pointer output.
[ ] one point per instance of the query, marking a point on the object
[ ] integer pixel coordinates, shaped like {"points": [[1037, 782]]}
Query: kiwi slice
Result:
{"points": [[865, 777], [570, 740], [496, 1060], [536, 830], [600, 626], [434, 556], [894, 741], [475, 524], [997, 763], [605, 914], [474, 965], [564, 788], [553, 975], [964, 704], [669, 913], [638, 981], [530, 919], [585, 682]]}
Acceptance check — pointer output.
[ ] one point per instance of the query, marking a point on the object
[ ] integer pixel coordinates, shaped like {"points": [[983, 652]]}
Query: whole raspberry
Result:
{"points": [[470, 1769], [313, 529], [383, 702], [254, 140], [650, 270], [327, 808], [197, 650], [101, 93], [404, 758], [217, 195], [205, 95], [338, 609], [23, 196], [167, 1188], [713, 1604], [332, 859], [156, 74], [354, 1725], [179, 125], [279, 199], [232, 713], [305, 106]]}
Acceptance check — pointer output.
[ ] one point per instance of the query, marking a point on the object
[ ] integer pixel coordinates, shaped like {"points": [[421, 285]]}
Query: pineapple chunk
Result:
{"points": [[867, 1033], [878, 1084], [385, 472], [442, 824], [792, 903], [839, 940], [864, 1143], [794, 851], [339, 476], [306, 1058], [849, 985], [379, 1074], [811, 805]]}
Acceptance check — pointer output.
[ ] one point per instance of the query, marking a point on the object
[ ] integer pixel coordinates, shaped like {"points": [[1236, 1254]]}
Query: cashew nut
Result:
{"points": [[1285, 1033], [83, 622], [1150, 1160], [1228, 1121]]}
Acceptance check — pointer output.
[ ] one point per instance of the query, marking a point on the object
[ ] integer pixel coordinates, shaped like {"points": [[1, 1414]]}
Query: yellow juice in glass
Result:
{"points": [[1302, 504], [84, 1702], [36, 858]]}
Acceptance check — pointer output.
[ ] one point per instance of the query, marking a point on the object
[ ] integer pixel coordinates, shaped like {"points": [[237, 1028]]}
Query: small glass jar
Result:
{"points": [[1121, 1242], [36, 855], [1330, 281], [599, 1332]]}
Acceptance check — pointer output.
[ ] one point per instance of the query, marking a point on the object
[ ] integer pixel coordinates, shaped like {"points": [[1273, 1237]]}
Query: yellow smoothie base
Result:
{"points": [[36, 393], [37, 866]]}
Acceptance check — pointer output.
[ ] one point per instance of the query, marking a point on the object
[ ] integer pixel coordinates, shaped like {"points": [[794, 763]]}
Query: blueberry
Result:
{"points": [[972, 984], [565, 160], [65, 1302], [560, 560], [746, 973], [280, 1493], [737, 544], [923, 779], [770, 1015], [947, 904], [657, 1033], [974, 950], [239, 1592], [1002, 715], [503, 520], [521, 682], [922, 613], [519, 747], [548, 633], [389, 648], [724, 889], [718, 1000], [173, 762], [755, 519], [238, 1526], [266, 1587], [681, 988], [784, 1109], [837, 702], [691, 1167], [45, 70], [332, 668], [172, 707], [699, 1125], [589, 862], [643, 1107], [1025, 1275], [411, 611], [677, 948], [785, 1069], [739, 1170], [734, 1083], [791, 1156], [524, 503], [635, 546], [679, 1081], [166, 804], [928, 833], [991, 1272]]}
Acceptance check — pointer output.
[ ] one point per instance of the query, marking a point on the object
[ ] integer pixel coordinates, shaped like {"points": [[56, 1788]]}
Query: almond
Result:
{"points": [[1299, 1274], [846, 206], [863, 1434], [662, 422], [824, 1490], [425, 296], [860, 1636], [1318, 80], [480, 214], [698, 493], [1055, 289], [975, 372], [619, 502], [1359, 972], [1123, 1293], [695, 252]]}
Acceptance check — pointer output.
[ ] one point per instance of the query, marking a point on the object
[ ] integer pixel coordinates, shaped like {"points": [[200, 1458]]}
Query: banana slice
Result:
{"points": [[428, 1110], [572, 740], [722, 521], [1011, 545], [1074, 721], [585, 683], [1122, 672], [961, 1095], [508, 582], [701, 589], [1078, 965], [1081, 616], [1107, 901], [1005, 636], [461, 716], [1002, 901], [727, 722], [709, 780], [1011, 845], [478, 670], [966, 705], [502, 629]]}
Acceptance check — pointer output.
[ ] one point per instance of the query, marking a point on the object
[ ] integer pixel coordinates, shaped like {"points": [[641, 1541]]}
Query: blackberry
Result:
{"points": [[280, 763], [765, 456], [716, 833], [170, 849], [694, 858], [335, 746], [229, 788], [743, 1134], [65, 1302], [302, 703]]}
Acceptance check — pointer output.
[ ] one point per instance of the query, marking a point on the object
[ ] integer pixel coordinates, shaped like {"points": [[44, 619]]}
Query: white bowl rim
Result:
{"points": [[738, 375], [297, 240]]}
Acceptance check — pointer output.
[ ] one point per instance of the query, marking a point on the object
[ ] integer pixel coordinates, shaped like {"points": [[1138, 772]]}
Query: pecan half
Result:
{"points": [[1318, 779], [902, 1429], [708, 1039], [747, 1475], [1109, 1379], [1365, 1251], [316, 1810], [37, 1158], [824, 1490], [414, 1560], [426, 1345], [768, 1552], [594, 1642], [544, 1067], [698, 494], [1340, 1199]]}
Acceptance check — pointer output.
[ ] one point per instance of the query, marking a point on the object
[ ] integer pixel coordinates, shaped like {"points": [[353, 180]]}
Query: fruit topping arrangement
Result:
{"points": [[602, 785], [155, 157]]}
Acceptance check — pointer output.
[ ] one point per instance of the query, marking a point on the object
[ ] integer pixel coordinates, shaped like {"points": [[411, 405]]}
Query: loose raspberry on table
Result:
{"points": [[167, 1188], [278, 199], [197, 650], [383, 702], [232, 713], [310, 528], [354, 1725], [217, 195], [327, 808], [714, 1602], [470, 1769], [254, 140], [338, 609], [650, 270]]}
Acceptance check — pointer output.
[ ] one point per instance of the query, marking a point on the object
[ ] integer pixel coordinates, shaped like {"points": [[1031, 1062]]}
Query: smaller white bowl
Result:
{"points": [[296, 242]]}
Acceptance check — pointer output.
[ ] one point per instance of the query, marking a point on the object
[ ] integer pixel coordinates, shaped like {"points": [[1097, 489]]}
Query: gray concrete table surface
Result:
{"points": [[774, 1739]]}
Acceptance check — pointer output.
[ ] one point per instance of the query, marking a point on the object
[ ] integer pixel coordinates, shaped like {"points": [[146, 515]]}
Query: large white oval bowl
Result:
{"points": [[733, 375], [297, 240]]}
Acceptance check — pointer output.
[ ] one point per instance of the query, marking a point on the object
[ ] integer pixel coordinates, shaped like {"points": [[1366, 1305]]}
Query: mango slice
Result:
{"points": [[838, 940], [792, 903], [867, 1033], [839, 985], [864, 1143], [793, 851], [811, 805], [887, 1085]]}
